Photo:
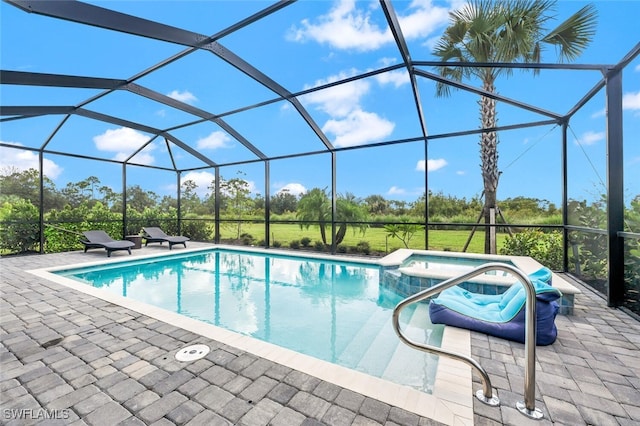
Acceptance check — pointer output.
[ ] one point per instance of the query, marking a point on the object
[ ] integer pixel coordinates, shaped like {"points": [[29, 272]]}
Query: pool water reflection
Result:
{"points": [[330, 310]]}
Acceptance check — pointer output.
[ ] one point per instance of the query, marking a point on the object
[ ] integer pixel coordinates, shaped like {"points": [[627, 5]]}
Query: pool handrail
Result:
{"points": [[486, 394]]}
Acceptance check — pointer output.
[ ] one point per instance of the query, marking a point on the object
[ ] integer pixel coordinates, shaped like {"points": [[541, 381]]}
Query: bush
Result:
{"points": [[276, 244], [284, 217], [196, 230], [319, 246], [363, 247], [165, 219], [632, 274], [593, 247], [247, 239], [19, 226], [341, 249], [545, 247], [66, 225], [305, 241], [294, 244]]}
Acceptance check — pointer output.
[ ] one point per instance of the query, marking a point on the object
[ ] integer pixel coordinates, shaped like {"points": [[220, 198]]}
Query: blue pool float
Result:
{"points": [[501, 315]]}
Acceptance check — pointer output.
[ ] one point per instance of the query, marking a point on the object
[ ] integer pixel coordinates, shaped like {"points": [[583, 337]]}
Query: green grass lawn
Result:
{"points": [[376, 237]]}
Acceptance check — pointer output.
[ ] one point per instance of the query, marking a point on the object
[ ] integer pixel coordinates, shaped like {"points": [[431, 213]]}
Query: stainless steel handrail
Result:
{"points": [[486, 395]]}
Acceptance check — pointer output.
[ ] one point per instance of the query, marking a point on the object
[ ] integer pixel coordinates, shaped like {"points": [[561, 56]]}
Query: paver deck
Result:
{"points": [[70, 358]]}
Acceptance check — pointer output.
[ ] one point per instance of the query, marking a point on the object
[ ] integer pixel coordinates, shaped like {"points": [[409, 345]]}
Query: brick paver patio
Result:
{"points": [[69, 355]]}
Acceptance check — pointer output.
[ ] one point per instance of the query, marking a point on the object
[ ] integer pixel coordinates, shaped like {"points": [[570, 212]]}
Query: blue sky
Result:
{"points": [[304, 45]]}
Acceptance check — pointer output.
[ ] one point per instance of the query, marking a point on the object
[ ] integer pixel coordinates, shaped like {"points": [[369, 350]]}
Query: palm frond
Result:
{"points": [[573, 35], [451, 73], [457, 31], [521, 29]]}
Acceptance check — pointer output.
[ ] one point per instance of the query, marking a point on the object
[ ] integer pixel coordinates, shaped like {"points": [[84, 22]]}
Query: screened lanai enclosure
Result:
{"points": [[326, 126]]}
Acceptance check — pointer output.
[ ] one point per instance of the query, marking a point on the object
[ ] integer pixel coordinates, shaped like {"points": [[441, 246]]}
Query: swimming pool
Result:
{"points": [[334, 311], [447, 264]]}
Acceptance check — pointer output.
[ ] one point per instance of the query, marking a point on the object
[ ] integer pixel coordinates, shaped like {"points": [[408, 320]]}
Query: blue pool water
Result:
{"points": [[448, 264], [334, 311]]}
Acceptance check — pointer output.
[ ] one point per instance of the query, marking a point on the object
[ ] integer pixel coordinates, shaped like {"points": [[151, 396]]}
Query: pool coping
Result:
{"points": [[450, 403], [524, 263]]}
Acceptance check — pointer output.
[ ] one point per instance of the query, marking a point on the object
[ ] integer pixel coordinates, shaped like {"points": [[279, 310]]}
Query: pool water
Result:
{"points": [[334, 311], [452, 265]]}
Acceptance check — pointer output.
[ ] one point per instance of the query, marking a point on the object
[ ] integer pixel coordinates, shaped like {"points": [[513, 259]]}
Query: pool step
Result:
{"points": [[386, 343], [409, 366], [380, 350], [354, 351]]}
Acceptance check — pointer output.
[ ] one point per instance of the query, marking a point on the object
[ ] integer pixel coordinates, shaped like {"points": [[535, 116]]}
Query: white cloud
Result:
{"points": [[124, 142], [347, 26], [338, 101], [251, 186], [22, 159], [590, 138], [461, 172], [349, 124], [123, 139], [358, 128], [143, 157], [293, 188], [344, 27], [394, 190], [431, 165], [202, 179], [423, 19], [185, 96], [631, 101], [385, 62], [397, 78], [253, 189], [215, 140]]}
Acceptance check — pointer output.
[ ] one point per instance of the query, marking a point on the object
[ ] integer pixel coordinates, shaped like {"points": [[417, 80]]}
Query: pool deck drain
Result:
{"points": [[192, 353], [112, 366]]}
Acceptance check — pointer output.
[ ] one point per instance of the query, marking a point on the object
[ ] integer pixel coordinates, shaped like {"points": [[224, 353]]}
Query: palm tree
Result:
{"points": [[349, 209], [485, 31], [314, 207]]}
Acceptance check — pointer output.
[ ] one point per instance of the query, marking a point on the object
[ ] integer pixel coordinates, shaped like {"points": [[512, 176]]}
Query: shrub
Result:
{"points": [[363, 247], [319, 246], [305, 241], [247, 239], [66, 225], [196, 230], [294, 244], [593, 247], [403, 231], [277, 244], [19, 226], [545, 247], [632, 274], [341, 249]]}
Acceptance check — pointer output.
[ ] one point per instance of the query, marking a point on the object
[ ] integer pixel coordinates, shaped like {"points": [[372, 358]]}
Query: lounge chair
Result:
{"points": [[501, 315], [100, 239], [157, 235]]}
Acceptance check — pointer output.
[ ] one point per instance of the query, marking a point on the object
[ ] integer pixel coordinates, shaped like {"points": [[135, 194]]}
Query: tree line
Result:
{"points": [[235, 196], [82, 205]]}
